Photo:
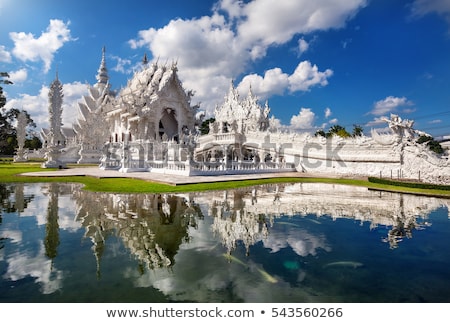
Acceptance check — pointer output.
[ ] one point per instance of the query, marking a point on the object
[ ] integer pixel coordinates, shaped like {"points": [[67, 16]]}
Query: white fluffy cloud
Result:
{"points": [[29, 48], [328, 112], [5, 56], [389, 104], [18, 76], [306, 76], [276, 24], [304, 120], [275, 81], [222, 46]]}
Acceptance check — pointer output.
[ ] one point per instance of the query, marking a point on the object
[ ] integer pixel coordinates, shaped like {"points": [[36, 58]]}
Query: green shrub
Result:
{"points": [[425, 186]]}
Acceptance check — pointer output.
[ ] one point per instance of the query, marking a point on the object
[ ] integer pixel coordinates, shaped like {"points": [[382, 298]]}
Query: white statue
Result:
{"points": [[21, 134]]}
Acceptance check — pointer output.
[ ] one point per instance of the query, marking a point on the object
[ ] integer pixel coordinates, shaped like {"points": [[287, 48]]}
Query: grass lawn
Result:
{"points": [[9, 172]]}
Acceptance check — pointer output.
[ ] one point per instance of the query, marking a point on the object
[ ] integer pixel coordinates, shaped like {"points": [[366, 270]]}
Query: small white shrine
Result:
{"points": [[150, 125]]}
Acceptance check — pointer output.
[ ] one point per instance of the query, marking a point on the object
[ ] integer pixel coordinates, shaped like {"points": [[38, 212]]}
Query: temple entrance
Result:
{"points": [[168, 125]]}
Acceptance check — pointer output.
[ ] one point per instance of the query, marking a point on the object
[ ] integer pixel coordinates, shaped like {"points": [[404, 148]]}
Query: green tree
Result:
{"points": [[5, 127], [339, 131], [320, 132], [33, 142], [204, 127], [358, 131], [431, 143], [8, 134], [3, 80]]}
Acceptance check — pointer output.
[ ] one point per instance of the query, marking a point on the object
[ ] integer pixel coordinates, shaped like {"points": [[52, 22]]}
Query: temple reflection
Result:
{"points": [[248, 214], [51, 241], [153, 226]]}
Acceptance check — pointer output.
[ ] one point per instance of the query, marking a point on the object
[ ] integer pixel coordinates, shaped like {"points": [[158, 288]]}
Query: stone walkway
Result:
{"points": [[161, 178]]}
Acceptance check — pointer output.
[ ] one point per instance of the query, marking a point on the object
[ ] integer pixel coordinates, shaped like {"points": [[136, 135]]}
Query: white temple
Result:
{"points": [[151, 126]]}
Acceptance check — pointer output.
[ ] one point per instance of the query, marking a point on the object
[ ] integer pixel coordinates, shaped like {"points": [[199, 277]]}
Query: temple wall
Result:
{"points": [[361, 156]]}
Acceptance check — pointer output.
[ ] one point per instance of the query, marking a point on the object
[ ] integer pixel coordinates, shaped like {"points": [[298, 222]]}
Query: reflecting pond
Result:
{"points": [[273, 243]]}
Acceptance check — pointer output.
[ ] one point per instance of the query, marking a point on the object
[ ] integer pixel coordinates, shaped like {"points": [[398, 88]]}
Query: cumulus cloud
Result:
{"points": [[306, 76], [222, 46], [389, 104], [5, 56], [29, 48], [276, 24], [303, 46], [275, 81], [232, 7], [328, 112], [304, 120], [423, 7], [18, 76]]}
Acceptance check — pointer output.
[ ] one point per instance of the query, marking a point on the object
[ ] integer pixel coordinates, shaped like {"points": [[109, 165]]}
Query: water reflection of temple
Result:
{"points": [[248, 214], [152, 226]]}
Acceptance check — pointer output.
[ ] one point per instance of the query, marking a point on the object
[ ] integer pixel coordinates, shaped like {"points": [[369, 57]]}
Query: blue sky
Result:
{"points": [[318, 63]]}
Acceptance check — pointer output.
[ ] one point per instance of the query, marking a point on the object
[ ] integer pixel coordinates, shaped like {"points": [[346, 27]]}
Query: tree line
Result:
{"points": [[357, 131]]}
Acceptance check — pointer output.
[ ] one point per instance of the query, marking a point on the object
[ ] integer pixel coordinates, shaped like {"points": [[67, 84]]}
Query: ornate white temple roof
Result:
{"points": [[245, 115], [150, 81]]}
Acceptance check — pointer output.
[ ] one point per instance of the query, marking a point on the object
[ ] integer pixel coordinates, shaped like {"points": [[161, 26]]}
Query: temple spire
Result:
{"points": [[145, 60], [55, 101], [102, 75]]}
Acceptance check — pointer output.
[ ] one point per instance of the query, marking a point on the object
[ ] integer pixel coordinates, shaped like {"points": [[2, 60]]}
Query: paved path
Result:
{"points": [[161, 178]]}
